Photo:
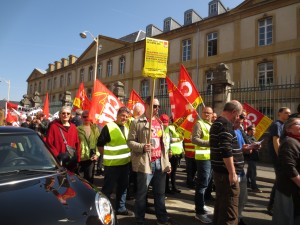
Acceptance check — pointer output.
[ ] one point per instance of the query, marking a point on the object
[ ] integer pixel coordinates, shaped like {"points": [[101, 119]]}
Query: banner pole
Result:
{"points": [[151, 115]]}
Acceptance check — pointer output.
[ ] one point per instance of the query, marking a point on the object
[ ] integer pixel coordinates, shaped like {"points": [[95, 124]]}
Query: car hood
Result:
{"points": [[48, 199]]}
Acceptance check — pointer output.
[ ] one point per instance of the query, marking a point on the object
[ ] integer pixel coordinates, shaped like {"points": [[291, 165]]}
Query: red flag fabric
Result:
{"points": [[184, 114], [104, 105], [12, 106], [46, 107], [81, 100], [134, 99], [188, 88], [10, 118], [256, 118]]}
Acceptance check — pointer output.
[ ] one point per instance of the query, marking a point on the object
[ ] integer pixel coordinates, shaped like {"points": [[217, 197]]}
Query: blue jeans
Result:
{"points": [[243, 195], [116, 176], [158, 184], [191, 170], [202, 181], [251, 174]]}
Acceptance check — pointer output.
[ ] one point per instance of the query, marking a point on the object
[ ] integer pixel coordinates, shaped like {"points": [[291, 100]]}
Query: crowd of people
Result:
{"points": [[142, 149]]}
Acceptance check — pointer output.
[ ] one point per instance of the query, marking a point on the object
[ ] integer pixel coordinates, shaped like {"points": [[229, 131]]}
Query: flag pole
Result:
{"points": [[151, 115]]}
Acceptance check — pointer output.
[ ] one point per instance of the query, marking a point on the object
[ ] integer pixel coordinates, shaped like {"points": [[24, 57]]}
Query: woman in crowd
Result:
{"points": [[88, 135], [63, 134], [287, 197]]}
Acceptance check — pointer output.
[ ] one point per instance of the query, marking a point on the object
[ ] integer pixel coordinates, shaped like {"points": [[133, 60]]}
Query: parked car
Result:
{"points": [[35, 189]]}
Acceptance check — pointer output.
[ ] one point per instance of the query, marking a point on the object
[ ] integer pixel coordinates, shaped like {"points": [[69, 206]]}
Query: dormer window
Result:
{"points": [[213, 9], [188, 18], [167, 25], [149, 31]]}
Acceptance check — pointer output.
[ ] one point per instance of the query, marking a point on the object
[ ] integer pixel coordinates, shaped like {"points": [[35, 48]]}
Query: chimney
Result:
{"points": [[51, 67], [57, 65], [64, 62], [72, 59]]}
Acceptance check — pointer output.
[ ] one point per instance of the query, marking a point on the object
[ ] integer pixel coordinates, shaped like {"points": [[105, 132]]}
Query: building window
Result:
{"points": [[99, 75], [265, 74], [149, 31], [91, 72], [145, 88], [213, 9], [109, 68], [60, 97], [186, 50], [49, 84], [209, 78], [212, 43], [122, 65], [81, 76], [54, 83], [167, 25], [30, 89], [265, 32], [69, 79], [163, 87], [188, 18], [40, 87], [35, 87], [53, 98], [267, 111], [61, 82]]}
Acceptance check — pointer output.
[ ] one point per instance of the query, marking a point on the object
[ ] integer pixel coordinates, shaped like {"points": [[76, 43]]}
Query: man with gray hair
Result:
{"points": [[227, 162]]}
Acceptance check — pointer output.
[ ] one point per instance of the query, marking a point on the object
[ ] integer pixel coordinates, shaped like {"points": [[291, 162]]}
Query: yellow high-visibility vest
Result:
{"points": [[203, 153], [116, 152]]}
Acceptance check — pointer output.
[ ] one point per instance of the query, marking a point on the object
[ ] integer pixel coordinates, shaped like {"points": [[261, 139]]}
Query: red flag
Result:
{"points": [[104, 105], [188, 89], [46, 107], [134, 99], [184, 114], [256, 118], [12, 106], [10, 118], [81, 100]]}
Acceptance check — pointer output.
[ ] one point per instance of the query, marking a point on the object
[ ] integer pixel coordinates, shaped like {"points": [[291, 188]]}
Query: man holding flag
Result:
{"points": [[150, 161]]}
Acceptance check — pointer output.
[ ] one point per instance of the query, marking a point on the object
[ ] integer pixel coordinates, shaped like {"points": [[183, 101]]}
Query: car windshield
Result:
{"points": [[24, 151]]}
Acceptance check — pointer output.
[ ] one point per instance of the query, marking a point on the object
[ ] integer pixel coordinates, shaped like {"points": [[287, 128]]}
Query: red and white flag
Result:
{"points": [[81, 100], [104, 105], [188, 88], [134, 99], [256, 118], [184, 114]]}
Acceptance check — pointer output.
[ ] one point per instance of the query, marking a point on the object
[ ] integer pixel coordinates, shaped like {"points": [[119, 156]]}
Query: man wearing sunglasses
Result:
{"points": [[150, 161]]}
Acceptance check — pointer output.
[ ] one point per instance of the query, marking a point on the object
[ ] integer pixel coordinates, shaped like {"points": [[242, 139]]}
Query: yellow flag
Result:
{"points": [[156, 58]]}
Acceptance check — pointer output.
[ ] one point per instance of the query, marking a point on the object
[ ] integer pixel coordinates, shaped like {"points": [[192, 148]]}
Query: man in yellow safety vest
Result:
{"points": [[112, 143], [200, 137]]}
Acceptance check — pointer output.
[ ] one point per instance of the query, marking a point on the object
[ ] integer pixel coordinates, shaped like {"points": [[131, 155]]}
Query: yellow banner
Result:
{"points": [[262, 126], [156, 58]]}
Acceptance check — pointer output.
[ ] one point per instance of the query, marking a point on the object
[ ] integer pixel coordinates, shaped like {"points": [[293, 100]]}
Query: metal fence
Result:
{"points": [[266, 99]]}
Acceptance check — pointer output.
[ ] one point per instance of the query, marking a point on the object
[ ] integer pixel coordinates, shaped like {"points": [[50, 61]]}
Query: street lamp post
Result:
{"points": [[8, 91], [96, 39]]}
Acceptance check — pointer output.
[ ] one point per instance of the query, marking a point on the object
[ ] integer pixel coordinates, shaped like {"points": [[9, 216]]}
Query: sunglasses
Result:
{"points": [[242, 116], [84, 117], [156, 106], [66, 113]]}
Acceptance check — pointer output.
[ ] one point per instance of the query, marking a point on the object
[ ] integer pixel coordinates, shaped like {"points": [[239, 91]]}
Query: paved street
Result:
{"points": [[181, 206]]}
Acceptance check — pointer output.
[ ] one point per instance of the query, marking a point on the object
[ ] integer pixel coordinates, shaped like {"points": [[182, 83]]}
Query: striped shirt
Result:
{"points": [[223, 144]]}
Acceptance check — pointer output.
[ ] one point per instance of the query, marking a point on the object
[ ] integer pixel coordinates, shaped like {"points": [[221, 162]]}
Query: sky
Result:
{"points": [[35, 33]]}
